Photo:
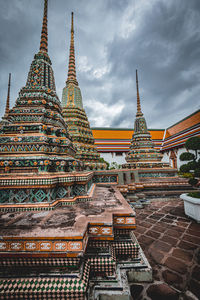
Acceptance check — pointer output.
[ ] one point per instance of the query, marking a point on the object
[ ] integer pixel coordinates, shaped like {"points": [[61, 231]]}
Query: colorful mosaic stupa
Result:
{"points": [[76, 118], [62, 235], [35, 146], [142, 152], [35, 138]]}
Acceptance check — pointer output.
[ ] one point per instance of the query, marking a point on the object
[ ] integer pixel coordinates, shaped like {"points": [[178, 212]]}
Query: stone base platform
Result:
{"points": [[53, 254]]}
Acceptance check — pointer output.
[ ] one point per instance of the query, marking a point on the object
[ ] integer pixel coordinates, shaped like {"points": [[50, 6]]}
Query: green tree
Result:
{"points": [[193, 164], [114, 166], [102, 160]]}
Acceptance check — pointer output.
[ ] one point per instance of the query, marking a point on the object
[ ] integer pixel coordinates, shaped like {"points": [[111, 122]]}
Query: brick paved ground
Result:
{"points": [[171, 242]]}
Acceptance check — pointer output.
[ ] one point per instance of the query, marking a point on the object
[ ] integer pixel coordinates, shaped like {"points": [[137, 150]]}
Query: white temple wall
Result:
{"points": [[167, 154], [165, 158], [117, 157]]}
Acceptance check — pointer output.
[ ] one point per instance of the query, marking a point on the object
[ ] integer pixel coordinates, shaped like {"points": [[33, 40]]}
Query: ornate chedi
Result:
{"points": [[142, 153], [76, 118], [36, 138], [52, 244], [35, 145]]}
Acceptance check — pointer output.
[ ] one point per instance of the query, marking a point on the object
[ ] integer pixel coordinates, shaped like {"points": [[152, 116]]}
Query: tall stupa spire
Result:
{"points": [[44, 33], [75, 116], [139, 112], [72, 67], [142, 152], [36, 114], [8, 98]]}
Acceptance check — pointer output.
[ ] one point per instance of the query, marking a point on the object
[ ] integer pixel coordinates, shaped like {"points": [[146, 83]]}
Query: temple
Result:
{"points": [[142, 153], [65, 233], [75, 116]]}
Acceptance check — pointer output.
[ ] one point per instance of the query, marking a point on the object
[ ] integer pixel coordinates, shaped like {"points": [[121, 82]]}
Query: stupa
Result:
{"points": [[75, 115], [36, 138], [142, 153], [35, 145], [62, 235]]}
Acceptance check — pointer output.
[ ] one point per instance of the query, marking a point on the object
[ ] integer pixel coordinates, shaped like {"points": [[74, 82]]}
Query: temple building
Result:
{"points": [[142, 153], [75, 116], [63, 236], [113, 143]]}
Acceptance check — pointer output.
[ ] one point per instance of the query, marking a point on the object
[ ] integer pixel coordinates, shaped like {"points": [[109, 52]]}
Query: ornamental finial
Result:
{"points": [[8, 98], [72, 67], [139, 112], [44, 33]]}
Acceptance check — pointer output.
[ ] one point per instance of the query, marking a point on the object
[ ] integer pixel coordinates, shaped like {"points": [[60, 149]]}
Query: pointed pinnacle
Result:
{"points": [[139, 112], [72, 67], [44, 33], [72, 22], [8, 98]]}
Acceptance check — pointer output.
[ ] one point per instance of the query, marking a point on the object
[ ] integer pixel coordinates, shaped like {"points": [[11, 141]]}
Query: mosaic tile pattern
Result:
{"points": [[35, 127], [22, 261], [142, 153], [76, 118]]}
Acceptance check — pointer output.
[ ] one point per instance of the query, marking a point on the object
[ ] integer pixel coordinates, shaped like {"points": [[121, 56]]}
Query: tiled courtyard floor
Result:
{"points": [[171, 242]]}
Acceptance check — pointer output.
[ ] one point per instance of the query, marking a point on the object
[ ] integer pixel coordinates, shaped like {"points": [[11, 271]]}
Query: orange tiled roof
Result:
{"points": [[188, 122], [118, 133], [118, 139]]}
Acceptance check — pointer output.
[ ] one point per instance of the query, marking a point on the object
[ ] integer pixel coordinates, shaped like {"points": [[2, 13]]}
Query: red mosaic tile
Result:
{"points": [[194, 226], [153, 234], [145, 224], [182, 224], [146, 240], [166, 220], [157, 256], [186, 245], [192, 239], [183, 255], [169, 240], [171, 277], [193, 232], [173, 233], [161, 246], [141, 229], [159, 228], [176, 265]]}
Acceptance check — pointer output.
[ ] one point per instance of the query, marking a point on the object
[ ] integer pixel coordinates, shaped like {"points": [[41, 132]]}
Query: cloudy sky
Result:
{"points": [[161, 38]]}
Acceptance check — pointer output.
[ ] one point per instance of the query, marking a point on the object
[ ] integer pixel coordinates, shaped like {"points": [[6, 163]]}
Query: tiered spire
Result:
{"points": [[8, 98], [139, 112], [75, 116], [44, 33], [142, 153], [72, 67], [36, 134]]}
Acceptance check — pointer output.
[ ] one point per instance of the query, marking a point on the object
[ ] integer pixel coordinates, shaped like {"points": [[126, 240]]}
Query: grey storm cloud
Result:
{"points": [[112, 38]]}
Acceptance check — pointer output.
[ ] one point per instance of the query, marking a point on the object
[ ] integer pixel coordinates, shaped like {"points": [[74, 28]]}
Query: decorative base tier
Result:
{"points": [[52, 254], [145, 164], [43, 191]]}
